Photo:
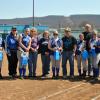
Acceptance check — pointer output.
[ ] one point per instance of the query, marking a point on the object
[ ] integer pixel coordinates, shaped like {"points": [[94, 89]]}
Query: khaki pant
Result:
{"points": [[98, 58], [81, 61]]}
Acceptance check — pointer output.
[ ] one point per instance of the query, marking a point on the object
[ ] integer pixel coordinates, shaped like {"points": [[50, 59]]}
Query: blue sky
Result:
{"points": [[23, 8]]}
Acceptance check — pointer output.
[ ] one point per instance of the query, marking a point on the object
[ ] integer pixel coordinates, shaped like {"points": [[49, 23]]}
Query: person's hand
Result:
{"points": [[33, 49], [74, 51], [46, 53], [60, 49], [98, 46], [82, 49], [54, 49], [1, 48], [37, 47], [19, 47], [27, 49], [75, 57]]}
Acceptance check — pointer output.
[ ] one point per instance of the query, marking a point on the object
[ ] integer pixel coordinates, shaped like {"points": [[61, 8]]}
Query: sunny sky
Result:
{"points": [[24, 8]]}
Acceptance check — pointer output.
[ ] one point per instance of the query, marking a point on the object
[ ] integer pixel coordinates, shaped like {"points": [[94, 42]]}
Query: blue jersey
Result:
{"points": [[93, 43], [93, 47], [55, 44], [25, 40], [12, 42], [80, 46]]}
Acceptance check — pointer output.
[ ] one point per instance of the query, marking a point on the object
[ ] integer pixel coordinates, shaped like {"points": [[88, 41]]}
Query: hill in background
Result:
{"points": [[57, 21]]}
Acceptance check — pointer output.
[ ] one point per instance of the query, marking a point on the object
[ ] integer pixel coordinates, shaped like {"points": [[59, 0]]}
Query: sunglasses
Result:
{"points": [[67, 31], [14, 30], [33, 31], [55, 34]]}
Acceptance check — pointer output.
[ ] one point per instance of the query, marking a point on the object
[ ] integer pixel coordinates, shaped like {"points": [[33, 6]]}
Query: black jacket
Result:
{"points": [[43, 46]]}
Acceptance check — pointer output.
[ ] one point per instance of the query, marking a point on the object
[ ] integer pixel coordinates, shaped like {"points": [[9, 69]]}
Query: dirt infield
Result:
{"points": [[47, 89]]}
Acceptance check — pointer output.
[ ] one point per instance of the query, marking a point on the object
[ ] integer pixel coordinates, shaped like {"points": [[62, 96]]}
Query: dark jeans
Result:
{"points": [[12, 62], [45, 64], [89, 64], [32, 64], [68, 55]]}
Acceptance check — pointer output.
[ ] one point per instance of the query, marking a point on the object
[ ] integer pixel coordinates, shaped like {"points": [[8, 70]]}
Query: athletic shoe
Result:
{"points": [[64, 77], [72, 77]]}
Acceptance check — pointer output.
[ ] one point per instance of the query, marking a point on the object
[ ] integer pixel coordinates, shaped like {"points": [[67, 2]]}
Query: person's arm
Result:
{"points": [[49, 47], [62, 43], [47, 51], [3, 45], [39, 43], [7, 45], [61, 48], [74, 41], [75, 44], [98, 44], [29, 46], [7, 41], [89, 44], [84, 46], [20, 42]]}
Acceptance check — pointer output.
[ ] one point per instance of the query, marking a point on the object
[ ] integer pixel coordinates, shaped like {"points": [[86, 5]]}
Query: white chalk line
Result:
{"points": [[95, 98], [62, 91]]}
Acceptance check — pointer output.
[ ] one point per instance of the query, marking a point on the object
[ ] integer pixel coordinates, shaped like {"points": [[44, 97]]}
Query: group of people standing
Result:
{"points": [[24, 48]]}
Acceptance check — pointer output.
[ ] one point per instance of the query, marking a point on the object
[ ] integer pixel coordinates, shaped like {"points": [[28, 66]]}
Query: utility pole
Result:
{"points": [[33, 14]]}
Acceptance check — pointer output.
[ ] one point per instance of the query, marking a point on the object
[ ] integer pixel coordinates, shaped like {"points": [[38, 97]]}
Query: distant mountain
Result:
{"points": [[54, 21], [80, 20], [23, 21], [57, 21]]}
